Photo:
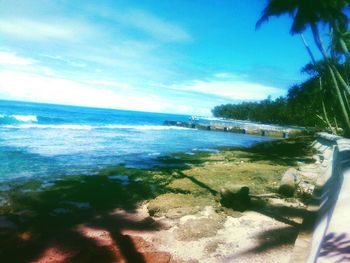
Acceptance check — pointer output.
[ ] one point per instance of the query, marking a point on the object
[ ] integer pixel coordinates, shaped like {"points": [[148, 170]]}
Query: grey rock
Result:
{"points": [[289, 182]]}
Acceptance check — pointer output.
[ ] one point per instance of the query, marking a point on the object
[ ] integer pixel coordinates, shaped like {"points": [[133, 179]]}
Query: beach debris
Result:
{"points": [[306, 189], [289, 182], [239, 201], [124, 179]]}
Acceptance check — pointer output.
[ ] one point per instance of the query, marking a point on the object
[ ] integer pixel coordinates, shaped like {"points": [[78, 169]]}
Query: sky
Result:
{"points": [[175, 56]]}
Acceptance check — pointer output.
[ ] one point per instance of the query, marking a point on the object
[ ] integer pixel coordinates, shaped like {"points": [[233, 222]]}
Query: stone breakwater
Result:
{"points": [[253, 129]]}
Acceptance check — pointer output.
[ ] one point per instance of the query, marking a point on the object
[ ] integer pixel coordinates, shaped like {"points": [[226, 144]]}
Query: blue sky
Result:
{"points": [[174, 56]]}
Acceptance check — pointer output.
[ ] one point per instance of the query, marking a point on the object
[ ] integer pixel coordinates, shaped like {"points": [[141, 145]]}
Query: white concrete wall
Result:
{"points": [[330, 239]]}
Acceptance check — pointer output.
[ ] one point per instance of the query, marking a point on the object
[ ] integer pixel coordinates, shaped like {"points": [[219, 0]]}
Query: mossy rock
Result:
{"points": [[180, 204]]}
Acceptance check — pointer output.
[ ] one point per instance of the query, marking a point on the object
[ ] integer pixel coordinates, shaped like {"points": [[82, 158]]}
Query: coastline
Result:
{"points": [[165, 209]]}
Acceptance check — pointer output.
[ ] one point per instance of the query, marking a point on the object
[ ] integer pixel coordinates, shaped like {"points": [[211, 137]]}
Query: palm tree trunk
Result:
{"points": [[346, 101], [320, 84], [341, 101], [308, 49], [342, 81], [336, 123], [324, 110], [335, 27], [320, 46], [341, 42], [345, 49]]}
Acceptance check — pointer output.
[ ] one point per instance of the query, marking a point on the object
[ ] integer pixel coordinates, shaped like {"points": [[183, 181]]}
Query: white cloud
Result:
{"points": [[232, 89], [109, 83], [157, 27], [222, 75], [30, 87], [229, 75], [7, 58], [63, 29]]}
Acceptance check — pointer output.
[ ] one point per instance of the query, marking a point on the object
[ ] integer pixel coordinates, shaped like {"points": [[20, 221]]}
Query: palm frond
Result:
{"points": [[276, 8]]}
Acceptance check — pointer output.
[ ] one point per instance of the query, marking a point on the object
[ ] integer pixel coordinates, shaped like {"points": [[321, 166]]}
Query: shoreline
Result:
{"points": [[174, 199], [146, 164]]}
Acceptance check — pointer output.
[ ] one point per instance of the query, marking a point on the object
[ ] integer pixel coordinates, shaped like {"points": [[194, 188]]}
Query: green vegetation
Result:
{"points": [[300, 107], [323, 100]]}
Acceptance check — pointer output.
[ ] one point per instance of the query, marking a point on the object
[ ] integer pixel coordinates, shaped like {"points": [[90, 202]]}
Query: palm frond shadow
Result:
{"points": [[50, 220]]}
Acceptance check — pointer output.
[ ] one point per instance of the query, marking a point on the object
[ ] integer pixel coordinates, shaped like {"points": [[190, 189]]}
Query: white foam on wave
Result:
{"points": [[20, 118], [49, 126], [25, 118], [210, 118], [91, 127]]}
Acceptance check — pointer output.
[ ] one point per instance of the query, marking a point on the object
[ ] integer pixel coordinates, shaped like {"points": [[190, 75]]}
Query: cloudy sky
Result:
{"points": [[175, 56]]}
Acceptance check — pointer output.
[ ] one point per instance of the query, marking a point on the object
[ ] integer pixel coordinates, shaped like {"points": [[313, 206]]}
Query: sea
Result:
{"points": [[52, 141]]}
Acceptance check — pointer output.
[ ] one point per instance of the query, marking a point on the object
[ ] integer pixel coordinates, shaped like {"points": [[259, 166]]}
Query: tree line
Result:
{"points": [[322, 100], [301, 107]]}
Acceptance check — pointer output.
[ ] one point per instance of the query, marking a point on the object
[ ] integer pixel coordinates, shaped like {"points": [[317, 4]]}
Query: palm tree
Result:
{"points": [[318, 71], [312, 70], [340, 42], [310, 13]]}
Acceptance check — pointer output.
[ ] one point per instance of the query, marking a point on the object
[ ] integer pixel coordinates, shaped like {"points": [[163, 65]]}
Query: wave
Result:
{"points": [[17, 118], [210, 118], [48, 126], [92, 127], [25, 118]]}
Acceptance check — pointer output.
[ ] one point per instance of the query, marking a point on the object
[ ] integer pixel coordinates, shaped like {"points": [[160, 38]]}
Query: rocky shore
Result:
{"points": [[172, 213]]}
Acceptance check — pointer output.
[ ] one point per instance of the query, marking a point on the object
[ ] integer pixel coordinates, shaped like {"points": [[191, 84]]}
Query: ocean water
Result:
{"points": [[43, 140]]}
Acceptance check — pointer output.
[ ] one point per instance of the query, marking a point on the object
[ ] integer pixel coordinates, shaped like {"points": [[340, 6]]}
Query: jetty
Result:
{"points": [[241, 127]]}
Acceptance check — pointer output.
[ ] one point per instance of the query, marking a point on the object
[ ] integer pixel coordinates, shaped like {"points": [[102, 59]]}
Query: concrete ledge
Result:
{"points": [[336, 241], [328, 137], [325, 234]]}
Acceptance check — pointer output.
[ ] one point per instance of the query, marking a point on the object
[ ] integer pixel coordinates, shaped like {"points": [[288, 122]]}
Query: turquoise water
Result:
{"points": [[43, 140]]}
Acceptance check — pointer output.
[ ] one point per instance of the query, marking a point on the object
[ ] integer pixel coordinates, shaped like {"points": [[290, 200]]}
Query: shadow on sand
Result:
{"points": [[60, 221]]}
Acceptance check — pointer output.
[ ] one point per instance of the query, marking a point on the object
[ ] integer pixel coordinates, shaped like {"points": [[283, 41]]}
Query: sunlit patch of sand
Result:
{"points": [[53, 254], [100, 236]]}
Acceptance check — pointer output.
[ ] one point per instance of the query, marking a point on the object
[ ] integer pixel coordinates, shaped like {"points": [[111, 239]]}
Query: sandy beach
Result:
{"points": [[171, 213]]}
